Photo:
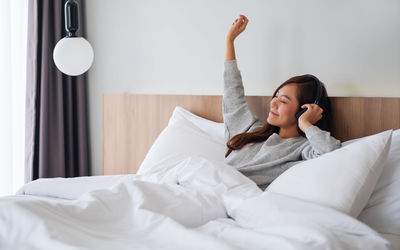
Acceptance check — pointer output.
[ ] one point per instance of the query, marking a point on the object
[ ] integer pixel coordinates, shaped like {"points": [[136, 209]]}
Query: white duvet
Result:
{"points": [[197, 204]]}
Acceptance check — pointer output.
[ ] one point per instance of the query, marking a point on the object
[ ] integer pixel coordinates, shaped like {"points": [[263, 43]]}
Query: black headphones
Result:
{"points": [[317, 97]]}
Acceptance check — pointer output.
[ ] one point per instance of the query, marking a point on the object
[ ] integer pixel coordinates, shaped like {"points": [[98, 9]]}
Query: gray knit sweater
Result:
{"points": [[263, 162]]}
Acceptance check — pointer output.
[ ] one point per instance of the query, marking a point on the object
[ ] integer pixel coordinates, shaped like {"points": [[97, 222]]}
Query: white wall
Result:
{"points": [[177, 47]]}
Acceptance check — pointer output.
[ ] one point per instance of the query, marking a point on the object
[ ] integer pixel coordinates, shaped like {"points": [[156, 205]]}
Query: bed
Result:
{"points": [[165, 185]]}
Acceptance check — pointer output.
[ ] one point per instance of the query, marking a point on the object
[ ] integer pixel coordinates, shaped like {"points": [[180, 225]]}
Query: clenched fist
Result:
{"points": [[238, 26]]}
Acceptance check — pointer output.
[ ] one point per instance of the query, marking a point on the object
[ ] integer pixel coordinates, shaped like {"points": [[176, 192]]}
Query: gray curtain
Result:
{"points": [[56, 137]]}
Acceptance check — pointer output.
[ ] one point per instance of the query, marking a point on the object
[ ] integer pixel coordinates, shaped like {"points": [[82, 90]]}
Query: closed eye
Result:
{"points": [[283, 98]]}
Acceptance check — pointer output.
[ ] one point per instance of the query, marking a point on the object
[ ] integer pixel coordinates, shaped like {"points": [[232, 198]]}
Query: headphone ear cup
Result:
{"points": [[299, 113]]}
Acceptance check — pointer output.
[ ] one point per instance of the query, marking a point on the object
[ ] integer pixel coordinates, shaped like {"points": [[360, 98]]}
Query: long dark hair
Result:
{"points": [[307, 90]]}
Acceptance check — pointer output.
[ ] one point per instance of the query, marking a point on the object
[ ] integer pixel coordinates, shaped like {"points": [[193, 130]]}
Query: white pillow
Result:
{"points": [[342, 179], [179, 140], [382, 212], [214, 129]]}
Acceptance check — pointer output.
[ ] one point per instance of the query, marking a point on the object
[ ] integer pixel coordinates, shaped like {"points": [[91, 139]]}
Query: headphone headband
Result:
{"points": [[319, 88], [318, 96]]}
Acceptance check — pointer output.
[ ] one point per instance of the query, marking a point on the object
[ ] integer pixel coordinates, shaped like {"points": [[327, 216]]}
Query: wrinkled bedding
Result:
{"points": [[196, 204]]}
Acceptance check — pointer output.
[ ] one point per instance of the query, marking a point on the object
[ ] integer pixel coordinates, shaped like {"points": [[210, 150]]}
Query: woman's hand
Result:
{"points": [[310, 117], [238, 26]]}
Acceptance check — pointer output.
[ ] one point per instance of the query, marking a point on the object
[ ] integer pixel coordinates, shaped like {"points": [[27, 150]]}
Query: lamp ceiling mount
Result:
{"points": [[71, 17]]}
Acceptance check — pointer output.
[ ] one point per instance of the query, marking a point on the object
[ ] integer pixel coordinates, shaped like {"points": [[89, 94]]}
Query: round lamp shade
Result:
{"points": [[73, 55]]}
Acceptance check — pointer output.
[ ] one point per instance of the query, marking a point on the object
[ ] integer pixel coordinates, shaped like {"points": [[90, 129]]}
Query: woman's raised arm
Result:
{"points": [[237, 115]]}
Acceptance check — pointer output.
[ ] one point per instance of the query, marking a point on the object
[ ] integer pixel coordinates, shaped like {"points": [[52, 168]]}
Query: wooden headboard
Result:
{"points": [[131, 123]]}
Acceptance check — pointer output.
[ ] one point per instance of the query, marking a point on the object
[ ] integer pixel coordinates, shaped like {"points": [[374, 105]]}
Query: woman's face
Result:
{"points": [[283, 107]]}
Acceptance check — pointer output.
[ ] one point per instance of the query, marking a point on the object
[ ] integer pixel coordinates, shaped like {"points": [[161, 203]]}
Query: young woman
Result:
{"points": [[262, 151]]}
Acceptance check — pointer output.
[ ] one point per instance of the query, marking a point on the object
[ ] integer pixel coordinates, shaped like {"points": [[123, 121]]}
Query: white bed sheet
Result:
{"points": [[197, 204], [393, 238], [71, 188]]}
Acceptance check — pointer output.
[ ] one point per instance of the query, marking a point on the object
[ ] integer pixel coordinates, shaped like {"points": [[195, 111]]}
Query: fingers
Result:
{"points": [[241, 21], [312, 115], [238, 26], [245, 21], [312, 107], [313, 112]]}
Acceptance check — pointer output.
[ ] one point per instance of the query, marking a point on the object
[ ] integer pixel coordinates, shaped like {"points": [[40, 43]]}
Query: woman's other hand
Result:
{"points": [[310, 117], [238, 26]]}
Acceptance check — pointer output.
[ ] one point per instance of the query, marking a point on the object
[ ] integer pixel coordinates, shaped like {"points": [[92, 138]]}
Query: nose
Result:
{"points": [[273, 102]]}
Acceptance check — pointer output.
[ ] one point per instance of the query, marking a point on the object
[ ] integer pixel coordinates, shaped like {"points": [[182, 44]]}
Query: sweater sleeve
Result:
{"points": [[321, 142], [236, 113]]}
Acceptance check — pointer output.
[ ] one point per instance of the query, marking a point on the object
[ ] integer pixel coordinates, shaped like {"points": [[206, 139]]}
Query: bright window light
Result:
{"points": [[13, 46]]}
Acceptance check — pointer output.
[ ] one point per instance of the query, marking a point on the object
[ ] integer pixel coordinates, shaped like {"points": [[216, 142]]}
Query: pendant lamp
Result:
{"points": [[72, 55]]}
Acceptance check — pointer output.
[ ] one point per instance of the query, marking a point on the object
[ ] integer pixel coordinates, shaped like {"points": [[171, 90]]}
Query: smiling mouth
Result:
{"points": [[272, 113]]}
